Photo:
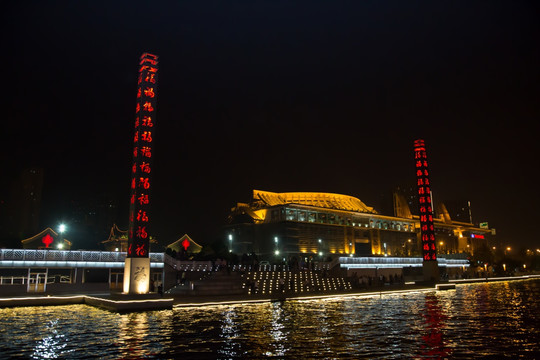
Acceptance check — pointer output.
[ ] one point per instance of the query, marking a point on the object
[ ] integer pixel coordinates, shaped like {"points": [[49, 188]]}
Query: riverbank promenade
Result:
{"points": [[117, 303]]}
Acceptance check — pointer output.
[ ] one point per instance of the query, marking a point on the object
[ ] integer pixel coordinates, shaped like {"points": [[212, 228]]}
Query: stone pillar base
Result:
{"points": [[431, 271], [137, 276]]}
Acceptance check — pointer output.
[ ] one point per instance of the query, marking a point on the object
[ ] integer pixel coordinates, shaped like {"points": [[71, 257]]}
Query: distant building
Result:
{"points": [[118, 240], [459, 210], [47, 239], [279, 225], [184, 245]]}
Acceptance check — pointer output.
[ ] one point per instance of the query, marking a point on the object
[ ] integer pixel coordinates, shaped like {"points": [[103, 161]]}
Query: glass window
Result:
{"points": [[301, 216], [292, 215]]}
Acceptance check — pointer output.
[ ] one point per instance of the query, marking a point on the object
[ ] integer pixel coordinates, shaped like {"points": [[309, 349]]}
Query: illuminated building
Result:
{"points": [[280, 225], [184, 245], [47, 239]]}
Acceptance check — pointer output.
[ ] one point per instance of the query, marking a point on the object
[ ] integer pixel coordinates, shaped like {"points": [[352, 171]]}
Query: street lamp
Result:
{"points": [[61, 229], [230, 243], [320, 248]]}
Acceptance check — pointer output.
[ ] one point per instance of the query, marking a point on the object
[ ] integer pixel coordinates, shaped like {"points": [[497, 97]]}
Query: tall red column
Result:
{"points": [[425, 207], [137, 267]]}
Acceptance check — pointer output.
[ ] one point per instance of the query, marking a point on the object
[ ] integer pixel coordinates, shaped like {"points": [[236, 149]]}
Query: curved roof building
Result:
{"points": [[321, 200], [319, 224]]}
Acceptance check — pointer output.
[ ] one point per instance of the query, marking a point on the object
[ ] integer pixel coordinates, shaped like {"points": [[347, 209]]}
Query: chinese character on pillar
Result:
{"points": [[137, 270], [141, 174], [429, 251]]}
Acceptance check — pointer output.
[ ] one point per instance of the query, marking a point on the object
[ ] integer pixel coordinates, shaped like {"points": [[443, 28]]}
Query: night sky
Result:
{"points": [[323, 96]]}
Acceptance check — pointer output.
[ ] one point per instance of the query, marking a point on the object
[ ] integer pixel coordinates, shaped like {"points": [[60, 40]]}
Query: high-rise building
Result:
{"points": [[20, 207]]}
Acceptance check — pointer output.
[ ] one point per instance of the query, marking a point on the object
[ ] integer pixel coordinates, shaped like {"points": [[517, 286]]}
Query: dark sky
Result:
{"points": [[280, 96]]}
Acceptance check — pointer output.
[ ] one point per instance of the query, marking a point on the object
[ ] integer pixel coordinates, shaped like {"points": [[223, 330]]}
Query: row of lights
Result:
{"points": [[314, 282], [276, 242], [277, 252]]}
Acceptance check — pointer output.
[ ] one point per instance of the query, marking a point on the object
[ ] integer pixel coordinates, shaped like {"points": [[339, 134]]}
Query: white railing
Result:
{"points": [[396, 262], [187, 265], [69, 255]]}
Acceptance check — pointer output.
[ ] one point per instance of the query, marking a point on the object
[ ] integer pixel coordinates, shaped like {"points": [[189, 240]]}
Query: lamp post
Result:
{"points": [[230, 243], [321, 253], [61, 230]]}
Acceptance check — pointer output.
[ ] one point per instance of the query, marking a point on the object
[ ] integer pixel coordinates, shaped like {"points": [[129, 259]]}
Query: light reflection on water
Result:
{"points": [[475, 321]]}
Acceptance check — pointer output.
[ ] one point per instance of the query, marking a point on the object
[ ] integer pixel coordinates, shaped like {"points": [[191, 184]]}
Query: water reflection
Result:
{"points": [[278, 331], [132, 330], [51, 346], [435, 321], [229, 333]]}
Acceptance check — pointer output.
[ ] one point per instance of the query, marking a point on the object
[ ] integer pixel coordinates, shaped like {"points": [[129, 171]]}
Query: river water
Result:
{"points": [[475, 321]]}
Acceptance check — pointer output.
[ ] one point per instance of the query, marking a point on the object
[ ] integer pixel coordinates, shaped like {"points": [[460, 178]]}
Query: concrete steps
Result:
{"points": [[300, 281], [215, 283]]}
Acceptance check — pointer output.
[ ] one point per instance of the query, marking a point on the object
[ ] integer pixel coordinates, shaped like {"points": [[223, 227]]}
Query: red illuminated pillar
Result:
{"points": [[137, 268], [427, 229]]}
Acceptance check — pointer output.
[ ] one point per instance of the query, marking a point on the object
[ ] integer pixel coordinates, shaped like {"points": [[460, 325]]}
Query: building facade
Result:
{"points": [[280, 225]]}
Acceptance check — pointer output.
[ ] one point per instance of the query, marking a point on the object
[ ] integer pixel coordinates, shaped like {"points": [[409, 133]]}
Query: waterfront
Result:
{"points": [[486, 320]]}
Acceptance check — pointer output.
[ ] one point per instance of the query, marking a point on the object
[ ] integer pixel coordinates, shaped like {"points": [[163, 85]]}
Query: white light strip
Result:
{"points": [[220, 303], [393, 262], [71, 264], [396, 266], [370, 294], [43, 297], [83, 297], [457, 281], [378, 266], [130, 301], [306, 298]]}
